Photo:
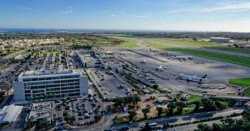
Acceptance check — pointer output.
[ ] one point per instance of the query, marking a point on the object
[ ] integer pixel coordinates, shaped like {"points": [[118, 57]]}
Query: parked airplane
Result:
{"points": [[184, 57], [193, 78], [143, 61], [160, 68]]}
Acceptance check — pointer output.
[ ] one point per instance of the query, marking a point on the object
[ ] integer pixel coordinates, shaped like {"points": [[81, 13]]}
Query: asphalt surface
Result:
{"points": [[218, 73], [183, 119]]}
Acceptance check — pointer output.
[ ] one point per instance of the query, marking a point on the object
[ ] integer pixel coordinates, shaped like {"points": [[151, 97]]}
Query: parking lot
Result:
{"points": [[110, 83]]}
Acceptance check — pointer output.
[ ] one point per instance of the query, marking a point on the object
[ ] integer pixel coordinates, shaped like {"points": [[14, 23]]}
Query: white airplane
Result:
{"points": [[143, 61], [160, 68], [193, 78]]}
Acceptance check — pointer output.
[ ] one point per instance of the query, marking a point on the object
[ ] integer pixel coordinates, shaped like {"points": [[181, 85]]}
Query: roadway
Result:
{"points": [[187, 118], [191, 127]]}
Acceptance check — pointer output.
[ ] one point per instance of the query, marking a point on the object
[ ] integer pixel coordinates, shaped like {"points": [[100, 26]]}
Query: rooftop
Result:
{"points": [[10, 113], [42, 110], [219, 38]]}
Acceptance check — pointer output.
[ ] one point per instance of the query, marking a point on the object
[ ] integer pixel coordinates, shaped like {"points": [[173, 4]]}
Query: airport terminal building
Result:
{"points": [[37, 85]]}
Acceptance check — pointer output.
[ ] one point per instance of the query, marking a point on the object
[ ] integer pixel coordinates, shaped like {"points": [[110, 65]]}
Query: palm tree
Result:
{"points": [[145, 112]]}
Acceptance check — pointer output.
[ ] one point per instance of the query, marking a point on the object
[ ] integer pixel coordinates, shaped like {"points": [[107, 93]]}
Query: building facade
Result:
{"points": [[36, 85], [220, 39]]}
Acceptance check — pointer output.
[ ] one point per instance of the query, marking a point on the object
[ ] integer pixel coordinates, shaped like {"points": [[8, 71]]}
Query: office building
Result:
{"points": [[37, 85]]}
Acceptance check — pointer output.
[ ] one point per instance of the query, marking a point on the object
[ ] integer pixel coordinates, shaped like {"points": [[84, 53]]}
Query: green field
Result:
{"points": [[128, 42], [232, 49], [240, 82], [244, 82], [194, 98], [180, 45], [51, 52], [180, 42], [234, 59]]}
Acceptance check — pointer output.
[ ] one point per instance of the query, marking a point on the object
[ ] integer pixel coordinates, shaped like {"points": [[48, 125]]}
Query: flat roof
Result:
{"points": [[163, 99], [46, 72], [10, 113], [42, 110], [219, 38]]}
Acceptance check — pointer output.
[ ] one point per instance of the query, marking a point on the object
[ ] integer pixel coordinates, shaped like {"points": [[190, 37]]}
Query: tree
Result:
{"points": [[155, 87], [145, 112], [204, 127], [194, 39], [208, 104], [160, 110], [65, 113], [42, 123], [116, 120], [197, 105], [146, 127], [171, 107], [180, 106], [246, 114], [219, 105], [132, 114], [218, 127]]}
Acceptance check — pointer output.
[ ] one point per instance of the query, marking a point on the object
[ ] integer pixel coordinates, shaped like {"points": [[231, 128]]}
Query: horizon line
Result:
{"points": [[122, 30]]}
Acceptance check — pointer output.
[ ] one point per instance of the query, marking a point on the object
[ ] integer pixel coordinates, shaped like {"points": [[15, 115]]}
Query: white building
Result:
{"points": [[35, 85], [220, 39], [9, 113], [41, 110]]}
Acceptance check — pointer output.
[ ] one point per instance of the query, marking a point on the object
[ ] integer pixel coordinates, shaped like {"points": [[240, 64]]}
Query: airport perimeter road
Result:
{"points": [[191, 127], [187, 118]]}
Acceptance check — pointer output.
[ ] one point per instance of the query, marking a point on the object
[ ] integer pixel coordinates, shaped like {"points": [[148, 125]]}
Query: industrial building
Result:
{"points": [[220, 39], [53, 84]]}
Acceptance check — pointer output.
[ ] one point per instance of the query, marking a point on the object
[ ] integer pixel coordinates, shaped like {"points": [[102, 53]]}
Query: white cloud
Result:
{"points": [[229, 7], [69, 10], [239, 26], [28, 9], [142, 16], [220, 7], [24, 8]]}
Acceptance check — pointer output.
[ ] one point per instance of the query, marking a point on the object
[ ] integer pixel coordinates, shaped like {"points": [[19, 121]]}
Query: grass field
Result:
{"points": [[234, 59], [178, 45], [232, 49], [240, 82], [51, 52], [180, 42], [194, 97], [189, 42], [128, 42]]}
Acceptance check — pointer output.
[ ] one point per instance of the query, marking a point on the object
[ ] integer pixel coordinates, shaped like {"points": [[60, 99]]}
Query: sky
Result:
{"points": [[180, 15]]}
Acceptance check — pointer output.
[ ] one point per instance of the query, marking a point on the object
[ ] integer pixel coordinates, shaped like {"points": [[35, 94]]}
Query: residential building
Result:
{"points": [[53, 84]]}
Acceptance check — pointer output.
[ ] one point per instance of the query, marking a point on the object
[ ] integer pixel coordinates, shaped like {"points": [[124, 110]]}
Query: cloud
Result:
{"points": [[221, 7], [113, 15], [24, 8], [229, 7], [142, 16], [69, 10], [28, 9]]}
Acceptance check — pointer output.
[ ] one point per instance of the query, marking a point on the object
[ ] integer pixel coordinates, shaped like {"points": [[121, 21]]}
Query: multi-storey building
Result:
{"points": [[34, 85]]}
